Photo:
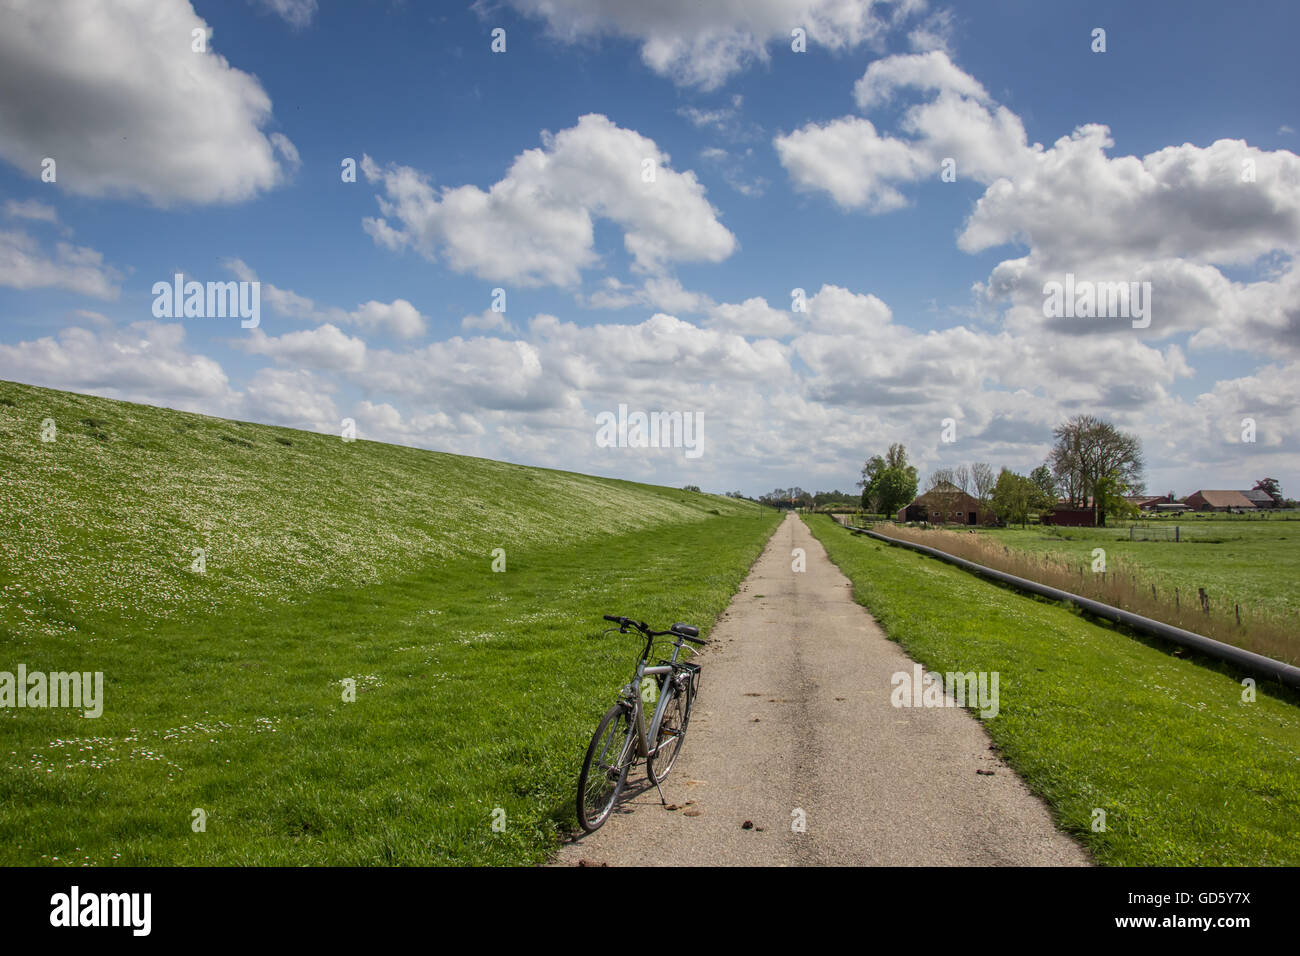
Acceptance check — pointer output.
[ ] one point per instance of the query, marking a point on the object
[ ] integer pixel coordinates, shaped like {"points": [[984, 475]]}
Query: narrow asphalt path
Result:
{"points": [[794, 722]]}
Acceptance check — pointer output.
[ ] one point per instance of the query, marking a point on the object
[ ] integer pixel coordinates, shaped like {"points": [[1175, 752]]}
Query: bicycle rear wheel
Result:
{"points": [[672, 731], [604, 771]]}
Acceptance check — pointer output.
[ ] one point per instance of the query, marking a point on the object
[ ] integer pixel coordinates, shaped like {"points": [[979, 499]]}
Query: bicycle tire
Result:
{"points": [[676, 716], [613, 732]]}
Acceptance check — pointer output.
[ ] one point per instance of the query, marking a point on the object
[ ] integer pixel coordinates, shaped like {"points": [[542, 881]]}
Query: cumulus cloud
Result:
{"points": [[931, 72], [535, 226], [487, 321], [935, 32], [752, 318], [291, 397], [862, 168], [326, 347], [109, 89], [25, 265], [845, 370], [848, 159], [1183, 202], [144, 361], [398, 318], [1173, 218], [703, 44]]}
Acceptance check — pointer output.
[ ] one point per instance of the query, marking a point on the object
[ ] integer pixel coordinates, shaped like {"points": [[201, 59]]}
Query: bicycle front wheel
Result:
{"points": [[672, 731], [604, 771]]}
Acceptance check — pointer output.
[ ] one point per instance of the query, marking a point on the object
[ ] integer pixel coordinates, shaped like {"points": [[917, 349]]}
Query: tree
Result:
{"points": [[1111, 501], [983, 478], [1042, 477], [1271, 488], [1016, 497], [888, 482], [690, 487], [1090, 452]]}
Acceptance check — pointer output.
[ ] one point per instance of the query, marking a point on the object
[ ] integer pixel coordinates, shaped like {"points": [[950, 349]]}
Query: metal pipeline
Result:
{"points": [[1246, 660]]}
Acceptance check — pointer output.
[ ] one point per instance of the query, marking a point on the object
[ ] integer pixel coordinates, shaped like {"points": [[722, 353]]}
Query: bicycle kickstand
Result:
{"points": [[662, 801]]}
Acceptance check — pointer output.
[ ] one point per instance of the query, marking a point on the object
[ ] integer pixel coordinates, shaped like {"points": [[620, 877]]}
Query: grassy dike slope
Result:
{"points": [[1187, 772], [324, 560]]}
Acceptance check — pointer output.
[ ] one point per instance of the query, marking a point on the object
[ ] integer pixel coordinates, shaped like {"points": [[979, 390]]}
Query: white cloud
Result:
{"points": [[753, 318], [861, 168], [934, 33], [32, 209], [295, 398], [127, 109], [732, 167], [705, 119], [1182, 201], [1172, 218], [488, 321], [663, 293], [398, 318], [931, 72], [296, 13], [326, 347], [535, 226], [703, 44], [849, 374], [24, 265], [144, 361], [850, 160]]}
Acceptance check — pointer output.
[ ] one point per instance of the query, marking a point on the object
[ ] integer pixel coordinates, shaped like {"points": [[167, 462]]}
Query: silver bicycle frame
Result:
{"points": [[642, 671]]}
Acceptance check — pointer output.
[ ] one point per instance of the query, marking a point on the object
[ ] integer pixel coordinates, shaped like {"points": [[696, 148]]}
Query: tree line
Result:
{"points": [[1093, 465]]}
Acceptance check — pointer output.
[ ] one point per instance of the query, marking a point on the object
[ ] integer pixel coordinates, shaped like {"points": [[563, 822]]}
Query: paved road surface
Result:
{"points": [[794, 713]]}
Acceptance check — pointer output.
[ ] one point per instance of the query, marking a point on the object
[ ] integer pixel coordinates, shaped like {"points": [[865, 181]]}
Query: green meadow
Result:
{"points": [[232, 581], [1253, 562], [1187, 771]]}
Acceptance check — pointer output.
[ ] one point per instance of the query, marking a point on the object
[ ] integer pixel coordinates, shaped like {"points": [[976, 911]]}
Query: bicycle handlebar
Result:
{"points": [[684, 631]]}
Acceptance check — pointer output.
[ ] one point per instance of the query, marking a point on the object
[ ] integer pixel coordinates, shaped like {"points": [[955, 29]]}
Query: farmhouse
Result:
{"points": [[1147, 502], [947, 504], [1260, 498], [1206, 500], [1068, 515]]}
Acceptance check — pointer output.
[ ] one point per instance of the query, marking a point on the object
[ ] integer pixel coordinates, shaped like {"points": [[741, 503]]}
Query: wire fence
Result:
{"points": [[1143, 532]]}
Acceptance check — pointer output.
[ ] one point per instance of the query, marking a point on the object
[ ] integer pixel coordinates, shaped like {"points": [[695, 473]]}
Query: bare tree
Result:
{"points": [[961, 478], [984, 480], [941, 487]]}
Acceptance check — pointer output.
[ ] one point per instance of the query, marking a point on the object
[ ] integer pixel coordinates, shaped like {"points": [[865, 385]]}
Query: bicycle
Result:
{"points": [[621, 737]]}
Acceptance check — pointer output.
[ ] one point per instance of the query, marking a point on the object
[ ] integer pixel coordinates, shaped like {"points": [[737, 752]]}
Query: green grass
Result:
{"points": [[1187, 772], [325, 561], [1254, 563]]}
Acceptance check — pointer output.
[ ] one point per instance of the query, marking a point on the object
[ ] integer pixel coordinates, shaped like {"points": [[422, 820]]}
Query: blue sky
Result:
{"points": [[776, 170]]}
